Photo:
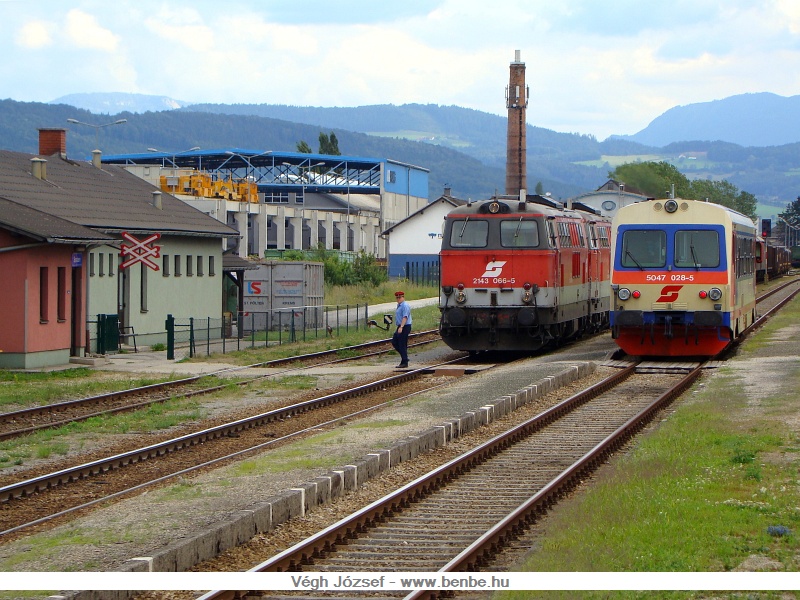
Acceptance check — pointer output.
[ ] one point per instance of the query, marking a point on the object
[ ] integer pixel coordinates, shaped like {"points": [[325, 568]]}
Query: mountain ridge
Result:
{"points": [[464, 149]]}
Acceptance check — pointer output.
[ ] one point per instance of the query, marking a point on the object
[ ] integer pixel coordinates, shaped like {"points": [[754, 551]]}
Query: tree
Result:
{"points": [[657, 179], [303, 147], [654, 179], [539, 188], [329, 144]]}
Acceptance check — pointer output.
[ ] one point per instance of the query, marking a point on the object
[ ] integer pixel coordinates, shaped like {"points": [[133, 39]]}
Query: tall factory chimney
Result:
{"points": [[516, 149]]}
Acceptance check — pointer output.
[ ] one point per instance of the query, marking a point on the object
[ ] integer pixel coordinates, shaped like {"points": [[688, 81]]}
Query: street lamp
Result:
{"points": [[174, 154], [97, 127]]}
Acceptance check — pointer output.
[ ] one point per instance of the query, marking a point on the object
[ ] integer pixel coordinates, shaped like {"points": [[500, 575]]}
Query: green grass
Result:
{"points": [[310, 453], [699, 494], [19, 388], [73, 436]]}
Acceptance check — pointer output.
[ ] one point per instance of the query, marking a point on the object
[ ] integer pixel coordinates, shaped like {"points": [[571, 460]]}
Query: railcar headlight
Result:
{"points": [[670, 206], [715, 294], [461, 297], [623, 293]]}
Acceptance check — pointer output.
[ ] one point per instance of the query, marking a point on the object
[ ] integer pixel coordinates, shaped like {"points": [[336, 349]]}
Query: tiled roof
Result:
{"points": [[109, 199], [42, 226]]}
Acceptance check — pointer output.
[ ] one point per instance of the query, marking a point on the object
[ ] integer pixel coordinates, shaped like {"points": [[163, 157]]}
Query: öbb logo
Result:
{"points": [[669, 293], [494, 268]]}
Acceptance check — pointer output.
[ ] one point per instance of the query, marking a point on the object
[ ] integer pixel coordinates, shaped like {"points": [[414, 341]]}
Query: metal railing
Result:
{"points": [[192, 336]]}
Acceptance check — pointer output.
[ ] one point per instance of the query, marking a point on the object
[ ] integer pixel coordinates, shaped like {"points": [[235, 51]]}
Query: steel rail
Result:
{"points": [[44, 410], [215, 461], [65, 476], [325, 540]]}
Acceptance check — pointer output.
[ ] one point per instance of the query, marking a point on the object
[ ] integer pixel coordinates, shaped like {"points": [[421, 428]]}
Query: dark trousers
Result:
{"points": [[400, 342]]}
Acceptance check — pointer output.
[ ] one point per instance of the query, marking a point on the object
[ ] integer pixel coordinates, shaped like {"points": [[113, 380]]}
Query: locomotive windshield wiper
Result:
{"points": [[516, 233], [694, 258], [461, 235], [628, 254]]}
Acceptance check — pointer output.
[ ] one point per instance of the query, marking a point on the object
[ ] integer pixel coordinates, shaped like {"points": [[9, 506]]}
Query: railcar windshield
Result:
{"points": [[469, 233], [644, 248], [519, 234], [696, 248]]}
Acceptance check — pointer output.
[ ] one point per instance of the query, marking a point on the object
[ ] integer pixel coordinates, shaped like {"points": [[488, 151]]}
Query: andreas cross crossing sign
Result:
{"points": [[140, 251]]}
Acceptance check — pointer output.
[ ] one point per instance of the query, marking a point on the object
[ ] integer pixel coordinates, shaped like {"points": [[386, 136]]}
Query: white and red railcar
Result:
{"points": [[518, 275], [683, 278]]}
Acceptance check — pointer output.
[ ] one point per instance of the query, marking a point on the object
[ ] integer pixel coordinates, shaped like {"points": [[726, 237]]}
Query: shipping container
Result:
{"points": [[284, 295]]}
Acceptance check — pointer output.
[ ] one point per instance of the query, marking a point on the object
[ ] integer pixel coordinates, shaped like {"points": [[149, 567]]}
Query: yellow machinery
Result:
{"points": [[202, 185]]}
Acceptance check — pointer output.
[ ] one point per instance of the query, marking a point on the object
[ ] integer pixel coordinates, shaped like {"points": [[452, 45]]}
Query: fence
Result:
{"points": [[423, 272], [192, 336], [187, 337]]}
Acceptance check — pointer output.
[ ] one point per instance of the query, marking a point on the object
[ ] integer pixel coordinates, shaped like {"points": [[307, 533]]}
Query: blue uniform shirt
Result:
{"points": [[402, 310]]}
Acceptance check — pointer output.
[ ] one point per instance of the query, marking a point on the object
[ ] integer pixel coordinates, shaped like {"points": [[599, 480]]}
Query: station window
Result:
{"points": [[44, 293], [199, 266], [177, 265], [211, 272], [102, 271], [91, 264], [165, 266], [62, 294], [189, 265], [111, 261]]}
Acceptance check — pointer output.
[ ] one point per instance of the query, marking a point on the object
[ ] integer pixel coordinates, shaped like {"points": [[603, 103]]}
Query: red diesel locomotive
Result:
{"points": [[519, 275]]}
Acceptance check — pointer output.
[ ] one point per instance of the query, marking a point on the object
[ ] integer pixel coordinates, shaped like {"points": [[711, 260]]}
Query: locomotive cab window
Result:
{"points": [[696, 249], [519, 234], [643, 248], [468, 233]]}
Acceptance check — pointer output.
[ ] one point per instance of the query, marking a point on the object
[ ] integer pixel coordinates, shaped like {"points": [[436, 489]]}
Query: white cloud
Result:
{"points": [[83, 30], [592, 67], [35, 34]]}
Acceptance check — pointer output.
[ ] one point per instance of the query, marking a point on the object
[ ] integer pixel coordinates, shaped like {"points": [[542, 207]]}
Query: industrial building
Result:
{"points": [[289, 200]]}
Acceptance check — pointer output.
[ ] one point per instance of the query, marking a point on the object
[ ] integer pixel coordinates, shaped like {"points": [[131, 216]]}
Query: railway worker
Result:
{"points": [[402, 316]]}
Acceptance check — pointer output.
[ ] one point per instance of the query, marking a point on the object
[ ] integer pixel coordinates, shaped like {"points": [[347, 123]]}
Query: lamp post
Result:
{"points": [[175, 154], [97, 127]]}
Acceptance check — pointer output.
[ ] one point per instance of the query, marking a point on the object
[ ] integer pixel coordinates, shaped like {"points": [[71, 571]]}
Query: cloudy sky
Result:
{"points": [[593, 67]]}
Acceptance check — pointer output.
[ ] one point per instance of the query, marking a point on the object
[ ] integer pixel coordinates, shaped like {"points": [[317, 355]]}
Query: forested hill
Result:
{"points": [[479, 134], [463, 149], [177, 131]]}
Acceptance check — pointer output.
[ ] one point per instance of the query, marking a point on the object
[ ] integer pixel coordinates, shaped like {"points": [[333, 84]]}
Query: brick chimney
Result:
{"points": [[53, 141], [516, 147]]}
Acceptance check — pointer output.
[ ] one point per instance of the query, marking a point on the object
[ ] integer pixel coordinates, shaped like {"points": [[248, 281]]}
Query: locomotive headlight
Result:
{"points": [[670, 206], [623, 293], [461, 295], [526, 297], [715, 294]]}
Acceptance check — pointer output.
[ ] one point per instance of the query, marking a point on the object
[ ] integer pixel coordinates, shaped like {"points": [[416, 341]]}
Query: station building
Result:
{"points": [[84, 240]]}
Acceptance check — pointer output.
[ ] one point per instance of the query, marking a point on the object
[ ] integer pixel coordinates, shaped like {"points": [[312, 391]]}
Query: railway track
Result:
{"points": [[461, 515], [40, 499], [30, 420]]}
